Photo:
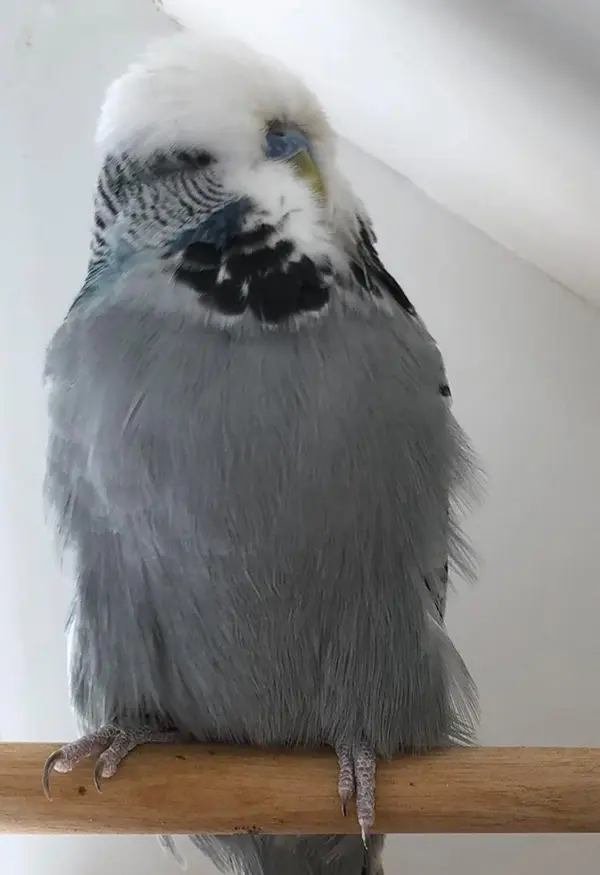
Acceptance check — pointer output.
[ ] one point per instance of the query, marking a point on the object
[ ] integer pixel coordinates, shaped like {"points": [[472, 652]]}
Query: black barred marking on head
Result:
{"points": [[257, 271], [126, 182], [167, 163]]}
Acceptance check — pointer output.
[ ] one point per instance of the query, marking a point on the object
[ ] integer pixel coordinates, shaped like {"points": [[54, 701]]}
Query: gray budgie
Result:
{"points": [[251, 454]]}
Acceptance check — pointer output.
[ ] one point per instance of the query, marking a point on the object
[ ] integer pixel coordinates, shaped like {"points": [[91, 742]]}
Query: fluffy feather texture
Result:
{"points": [[261, 518], [218, 93]]}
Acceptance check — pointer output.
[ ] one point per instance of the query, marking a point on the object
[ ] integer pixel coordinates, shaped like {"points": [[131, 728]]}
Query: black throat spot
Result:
{"points": [[257, 271]]}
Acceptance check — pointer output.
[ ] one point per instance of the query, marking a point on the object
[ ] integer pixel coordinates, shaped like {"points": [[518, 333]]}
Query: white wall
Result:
{"points": [[523, 357]]}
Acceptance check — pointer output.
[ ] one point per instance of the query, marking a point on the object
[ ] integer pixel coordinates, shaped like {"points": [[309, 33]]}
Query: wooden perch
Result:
{"points": [[223, 790]]}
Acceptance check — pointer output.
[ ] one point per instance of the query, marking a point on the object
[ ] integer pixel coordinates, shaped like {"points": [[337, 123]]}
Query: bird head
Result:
{"points": [[267, 143], [186, 90]]}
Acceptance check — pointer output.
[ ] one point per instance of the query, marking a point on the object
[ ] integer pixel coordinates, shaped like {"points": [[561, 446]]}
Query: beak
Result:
{"points": [[307, 170]]}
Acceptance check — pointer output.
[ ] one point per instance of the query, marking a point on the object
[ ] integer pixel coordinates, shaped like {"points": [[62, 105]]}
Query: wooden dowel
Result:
{"points": [[219, 789]]}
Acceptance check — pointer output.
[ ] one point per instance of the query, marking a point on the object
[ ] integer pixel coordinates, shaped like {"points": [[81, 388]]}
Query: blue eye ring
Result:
{"points": [[283, 143]]}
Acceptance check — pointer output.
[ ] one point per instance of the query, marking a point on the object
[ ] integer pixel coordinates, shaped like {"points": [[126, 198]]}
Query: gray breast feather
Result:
{"points": [[253, 520]]}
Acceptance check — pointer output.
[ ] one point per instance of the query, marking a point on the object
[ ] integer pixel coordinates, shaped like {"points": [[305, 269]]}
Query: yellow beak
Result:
{"points": [[307, 170]]}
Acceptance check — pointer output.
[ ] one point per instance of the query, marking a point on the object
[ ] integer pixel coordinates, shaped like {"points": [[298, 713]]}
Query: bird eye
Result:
{"points": [[276, 129]]}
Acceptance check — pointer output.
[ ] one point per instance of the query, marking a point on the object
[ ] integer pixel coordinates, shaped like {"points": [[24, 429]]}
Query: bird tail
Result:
{"points": [[288, 855]]}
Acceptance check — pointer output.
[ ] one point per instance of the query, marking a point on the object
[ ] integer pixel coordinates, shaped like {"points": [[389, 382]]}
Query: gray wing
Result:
{"points": [[375, 279]]}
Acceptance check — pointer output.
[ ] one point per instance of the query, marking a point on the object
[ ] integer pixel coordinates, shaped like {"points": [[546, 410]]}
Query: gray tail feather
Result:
{"points": [[462, 691], [167, 843], [287, 855]]}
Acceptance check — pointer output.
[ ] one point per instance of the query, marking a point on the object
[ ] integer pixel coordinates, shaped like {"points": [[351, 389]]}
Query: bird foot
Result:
{"points": [[356, 777], [110, 743]]}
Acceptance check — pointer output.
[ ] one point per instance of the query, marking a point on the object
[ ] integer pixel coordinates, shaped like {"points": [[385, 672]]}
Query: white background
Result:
{"points": [[523, 356]]}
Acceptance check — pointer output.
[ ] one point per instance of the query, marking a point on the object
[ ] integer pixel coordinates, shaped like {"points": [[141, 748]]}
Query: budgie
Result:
{"points": [[252, 456]]}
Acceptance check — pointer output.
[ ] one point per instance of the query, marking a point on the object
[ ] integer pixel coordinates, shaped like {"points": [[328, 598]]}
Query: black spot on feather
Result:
{"points": [[256, 270]]}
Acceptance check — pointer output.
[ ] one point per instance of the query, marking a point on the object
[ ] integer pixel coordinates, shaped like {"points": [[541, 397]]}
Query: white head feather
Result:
{"points": [[218, 94]]}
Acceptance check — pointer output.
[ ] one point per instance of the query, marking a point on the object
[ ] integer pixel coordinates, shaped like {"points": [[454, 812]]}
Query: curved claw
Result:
{"points": [[98, 775], [110, 744], [48, 769]]}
